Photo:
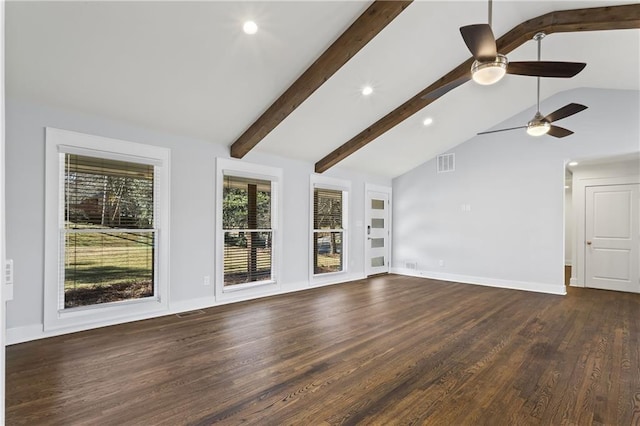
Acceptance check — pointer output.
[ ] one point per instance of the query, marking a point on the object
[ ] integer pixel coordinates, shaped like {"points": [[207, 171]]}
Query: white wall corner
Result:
{"points": [[407, 272]]}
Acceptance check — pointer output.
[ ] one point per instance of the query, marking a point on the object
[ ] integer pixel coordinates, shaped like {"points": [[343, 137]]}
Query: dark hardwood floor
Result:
{"points": [[388, 350]]}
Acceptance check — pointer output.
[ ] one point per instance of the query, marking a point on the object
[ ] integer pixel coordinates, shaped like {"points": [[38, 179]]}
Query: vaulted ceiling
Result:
{"points": [[187, 68]]}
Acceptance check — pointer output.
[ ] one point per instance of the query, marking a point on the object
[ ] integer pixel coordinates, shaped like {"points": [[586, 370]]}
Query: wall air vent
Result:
{"points": [[446, 163]]}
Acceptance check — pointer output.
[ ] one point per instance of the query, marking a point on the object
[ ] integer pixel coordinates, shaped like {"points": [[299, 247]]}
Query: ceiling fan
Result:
{"points": [[541, 125], [490, 66]]}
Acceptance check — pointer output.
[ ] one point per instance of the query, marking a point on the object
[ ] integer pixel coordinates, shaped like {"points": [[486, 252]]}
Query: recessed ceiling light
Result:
{"points": [[250, 27], [367, 90], [428, 121], [573, 163]]}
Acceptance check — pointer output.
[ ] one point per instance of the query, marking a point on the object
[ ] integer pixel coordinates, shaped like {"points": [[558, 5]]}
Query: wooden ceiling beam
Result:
{"points": [[364, 29], [577, 20]]}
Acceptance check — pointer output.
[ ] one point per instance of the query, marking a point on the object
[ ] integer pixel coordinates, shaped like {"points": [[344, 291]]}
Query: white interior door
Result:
{"points": [[377, 248], [612, 251]]}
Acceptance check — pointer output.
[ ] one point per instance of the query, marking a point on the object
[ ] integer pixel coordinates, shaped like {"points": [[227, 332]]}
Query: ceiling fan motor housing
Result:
{"points": [[489, 72], [538, 126]]}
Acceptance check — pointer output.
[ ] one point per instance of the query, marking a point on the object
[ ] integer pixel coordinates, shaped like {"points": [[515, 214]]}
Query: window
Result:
{"points": [[329, 219], [248, 239], [248, 234], [106, 229], [327, 231]]}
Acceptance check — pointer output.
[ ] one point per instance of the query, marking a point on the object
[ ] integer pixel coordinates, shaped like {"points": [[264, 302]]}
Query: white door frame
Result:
{"points": [[386, 190], [579, 200]]}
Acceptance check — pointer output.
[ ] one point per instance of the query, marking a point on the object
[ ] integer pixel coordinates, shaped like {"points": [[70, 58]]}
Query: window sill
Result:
{"points": [[247, 286], [328, 278], [328, 274], [105, 314], [104, 307]]}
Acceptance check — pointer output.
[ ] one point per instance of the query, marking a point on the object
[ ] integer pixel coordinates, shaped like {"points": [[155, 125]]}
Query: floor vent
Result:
{"points": [[190, 313], [446, 163]]}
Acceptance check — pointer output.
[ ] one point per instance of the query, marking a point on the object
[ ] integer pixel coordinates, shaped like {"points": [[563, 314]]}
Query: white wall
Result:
{"points": [[2, 221], [192, 210], [513, 236]]}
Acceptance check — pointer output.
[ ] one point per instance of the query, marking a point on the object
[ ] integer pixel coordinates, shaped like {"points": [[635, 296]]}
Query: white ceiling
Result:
{"points": [[187, 68]]}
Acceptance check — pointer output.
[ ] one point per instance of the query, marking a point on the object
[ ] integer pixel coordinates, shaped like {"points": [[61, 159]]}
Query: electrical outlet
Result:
{"points": [[8, 272], [8, 279], [206, 280], [441, 262]]}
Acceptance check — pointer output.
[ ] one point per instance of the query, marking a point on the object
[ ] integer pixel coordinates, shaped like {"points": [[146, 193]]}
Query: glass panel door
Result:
{"points": [[377, 233]]}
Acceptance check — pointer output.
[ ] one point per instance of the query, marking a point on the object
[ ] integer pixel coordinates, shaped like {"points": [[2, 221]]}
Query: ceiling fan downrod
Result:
{"points": [[538, 126], [538, 37]]}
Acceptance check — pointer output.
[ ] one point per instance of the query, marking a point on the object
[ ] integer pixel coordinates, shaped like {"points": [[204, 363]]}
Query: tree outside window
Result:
{"points": [[328, 232], [109, 235], [248, 233]]}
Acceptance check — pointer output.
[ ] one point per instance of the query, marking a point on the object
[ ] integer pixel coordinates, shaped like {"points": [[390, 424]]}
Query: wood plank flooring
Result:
{"points": [[387, 350]]}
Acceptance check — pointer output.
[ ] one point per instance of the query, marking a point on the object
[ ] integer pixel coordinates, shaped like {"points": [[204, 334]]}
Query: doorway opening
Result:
{"points": [[602, 223]]}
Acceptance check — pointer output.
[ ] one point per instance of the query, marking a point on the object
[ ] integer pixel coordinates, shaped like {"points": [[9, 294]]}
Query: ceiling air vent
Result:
{"points": [[446, 163]]}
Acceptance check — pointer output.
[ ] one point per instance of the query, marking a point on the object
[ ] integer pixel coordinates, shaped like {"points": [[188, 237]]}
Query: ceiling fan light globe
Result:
{"points": [[538, 128], [489, 72]]}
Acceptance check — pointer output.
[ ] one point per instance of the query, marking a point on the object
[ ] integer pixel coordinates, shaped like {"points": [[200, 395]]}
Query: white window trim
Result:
{"points": [[256, 171], [58, 141], [324, 182]]}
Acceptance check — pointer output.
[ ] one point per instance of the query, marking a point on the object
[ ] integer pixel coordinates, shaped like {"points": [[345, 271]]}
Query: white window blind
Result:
{"points": [[328, 230], [248, 231], [109, 239]]}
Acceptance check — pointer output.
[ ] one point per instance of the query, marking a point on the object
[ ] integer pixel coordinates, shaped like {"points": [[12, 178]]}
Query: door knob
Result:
{"points": [[588, 243]]}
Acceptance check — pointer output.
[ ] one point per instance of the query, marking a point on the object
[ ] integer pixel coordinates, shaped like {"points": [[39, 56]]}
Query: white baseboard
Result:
{"points": [[573, 282], [190, 305], [34, 332], [558, 289], [339, 280], [23, 334]]}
